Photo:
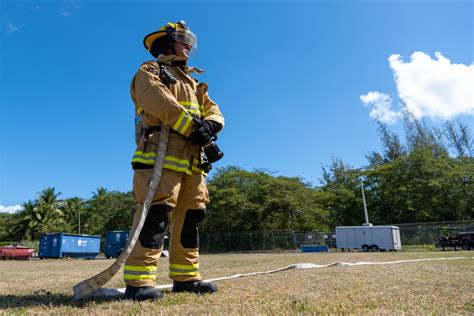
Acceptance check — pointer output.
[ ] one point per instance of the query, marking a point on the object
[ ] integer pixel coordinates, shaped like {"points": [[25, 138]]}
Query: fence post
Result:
{"points": [[250, 235], [293, 239]]}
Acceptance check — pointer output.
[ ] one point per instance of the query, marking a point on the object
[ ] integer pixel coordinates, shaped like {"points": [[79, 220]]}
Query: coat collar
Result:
{"points": [[169, 59]]}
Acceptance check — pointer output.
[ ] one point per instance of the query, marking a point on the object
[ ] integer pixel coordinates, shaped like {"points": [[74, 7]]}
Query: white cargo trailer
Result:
{"points": [[368, 238]]}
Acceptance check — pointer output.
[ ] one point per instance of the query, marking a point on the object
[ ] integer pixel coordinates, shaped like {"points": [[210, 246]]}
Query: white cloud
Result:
{"points": [[65, 13], [10, 209], [69, 7], [380, 105], [9, 26], [434, 88]]}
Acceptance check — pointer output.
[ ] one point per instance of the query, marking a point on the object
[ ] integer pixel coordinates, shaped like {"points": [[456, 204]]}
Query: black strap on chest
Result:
{"points": [[166, 76]]}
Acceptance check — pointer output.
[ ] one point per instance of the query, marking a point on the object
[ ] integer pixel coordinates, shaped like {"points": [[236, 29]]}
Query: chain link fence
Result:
{"points": [[412, 234], [430, 233]]}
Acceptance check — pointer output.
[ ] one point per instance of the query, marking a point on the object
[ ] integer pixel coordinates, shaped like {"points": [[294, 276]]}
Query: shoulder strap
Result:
{"points": [[166, 76]]}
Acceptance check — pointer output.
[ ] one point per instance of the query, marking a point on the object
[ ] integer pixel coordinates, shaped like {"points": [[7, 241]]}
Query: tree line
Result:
{"points": [[427, 177]]}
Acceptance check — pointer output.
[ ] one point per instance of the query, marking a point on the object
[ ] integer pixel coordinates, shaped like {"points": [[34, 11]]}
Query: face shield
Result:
{"points": [[186, 37]]}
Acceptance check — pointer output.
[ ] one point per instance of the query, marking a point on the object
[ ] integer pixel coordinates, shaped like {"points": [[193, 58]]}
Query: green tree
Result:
{"points": [[108, 211], [23, 222], [40, 216], [72, 209], [5, 222], [243, 201], [341, 193]]}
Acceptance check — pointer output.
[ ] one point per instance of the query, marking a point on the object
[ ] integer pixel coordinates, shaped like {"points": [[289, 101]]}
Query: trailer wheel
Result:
{"points": [[374, 248], [365, 248], [466, 247]]}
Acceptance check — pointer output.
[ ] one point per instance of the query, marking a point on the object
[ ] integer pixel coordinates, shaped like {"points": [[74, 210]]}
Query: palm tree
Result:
{"points": [[38, 216], [101, 191], [22, 227], [72, 209], [47, 212]]}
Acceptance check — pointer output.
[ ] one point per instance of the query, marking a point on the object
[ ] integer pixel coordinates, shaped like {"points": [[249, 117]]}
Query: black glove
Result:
{"points": [[204, 131], [214, 127]]}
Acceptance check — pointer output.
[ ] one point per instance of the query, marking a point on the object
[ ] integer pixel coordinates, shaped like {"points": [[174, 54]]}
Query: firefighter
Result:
{"points": [[164, 93]]}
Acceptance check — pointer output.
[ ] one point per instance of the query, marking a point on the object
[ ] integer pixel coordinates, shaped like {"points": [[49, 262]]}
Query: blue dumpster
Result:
{"points": [[115, 242], [62, 245], [116, 236], [314, 248], [113, 250]]}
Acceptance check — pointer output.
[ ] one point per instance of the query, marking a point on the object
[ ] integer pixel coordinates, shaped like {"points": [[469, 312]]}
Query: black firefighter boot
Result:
{"points": [[142, 293], [199, 287]]}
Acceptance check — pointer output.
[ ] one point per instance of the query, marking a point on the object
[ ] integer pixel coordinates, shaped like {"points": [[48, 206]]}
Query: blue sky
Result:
{"points": [[298, 82]]}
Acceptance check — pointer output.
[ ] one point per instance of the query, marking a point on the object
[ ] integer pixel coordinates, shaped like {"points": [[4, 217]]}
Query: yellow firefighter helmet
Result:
{"points": [[178, 31]]}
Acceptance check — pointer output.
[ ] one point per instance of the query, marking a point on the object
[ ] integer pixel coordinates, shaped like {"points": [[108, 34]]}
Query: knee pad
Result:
{"points": [[153, 231], [190, 231]]}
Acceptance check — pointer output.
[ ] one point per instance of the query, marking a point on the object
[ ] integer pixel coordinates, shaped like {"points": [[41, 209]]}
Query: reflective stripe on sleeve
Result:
{"points": [[183, 122], [192, 107]]}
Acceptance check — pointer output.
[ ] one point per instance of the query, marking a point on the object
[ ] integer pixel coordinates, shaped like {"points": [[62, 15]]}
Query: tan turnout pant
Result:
{"points": [[180, 200]]}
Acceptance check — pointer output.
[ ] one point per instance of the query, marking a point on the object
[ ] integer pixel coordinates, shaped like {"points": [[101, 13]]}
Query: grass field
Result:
{"points": [[45, 286]]}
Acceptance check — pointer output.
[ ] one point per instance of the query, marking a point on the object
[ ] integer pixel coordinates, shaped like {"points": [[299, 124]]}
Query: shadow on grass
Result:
{"points": [[46, 298]]}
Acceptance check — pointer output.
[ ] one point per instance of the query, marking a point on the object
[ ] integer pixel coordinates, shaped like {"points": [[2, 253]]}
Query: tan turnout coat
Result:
{"points": [[173, 105]]}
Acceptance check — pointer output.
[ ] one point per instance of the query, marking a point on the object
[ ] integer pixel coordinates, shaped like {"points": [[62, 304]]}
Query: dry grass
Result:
{"points": [[441, 287]]}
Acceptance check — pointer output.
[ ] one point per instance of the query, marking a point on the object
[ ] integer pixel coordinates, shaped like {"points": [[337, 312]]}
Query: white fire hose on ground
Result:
{"points": [[117, 293]]}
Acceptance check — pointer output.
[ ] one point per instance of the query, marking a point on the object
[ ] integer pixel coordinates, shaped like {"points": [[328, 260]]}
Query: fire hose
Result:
{"points": [[116, 293]]}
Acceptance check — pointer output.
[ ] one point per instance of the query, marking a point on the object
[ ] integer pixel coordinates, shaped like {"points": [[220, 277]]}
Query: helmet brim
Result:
{"points": [[150, 38]]}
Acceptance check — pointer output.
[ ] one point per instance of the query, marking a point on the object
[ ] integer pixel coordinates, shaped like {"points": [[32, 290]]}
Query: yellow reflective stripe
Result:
{"points": [[146, 158], [139, 277], [184, 269], [195, 167], [185, 266], [176, 159], [184, 273], [140, 268], [176, 164], [171, 162], [146, 162], [189, 103], [170, 158], [192, 111], [198, 170], [186, 126], [183, 122], [179, 169], [192, 107], [179, 120], [144, 154]]}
